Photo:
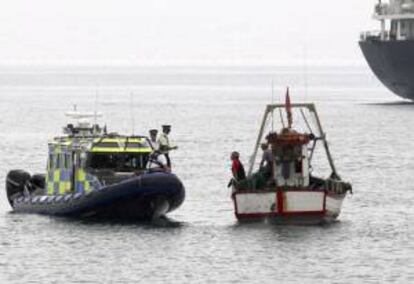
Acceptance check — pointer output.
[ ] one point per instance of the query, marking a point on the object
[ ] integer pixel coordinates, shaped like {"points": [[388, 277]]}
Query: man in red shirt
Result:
{"points": [[237, 167]]}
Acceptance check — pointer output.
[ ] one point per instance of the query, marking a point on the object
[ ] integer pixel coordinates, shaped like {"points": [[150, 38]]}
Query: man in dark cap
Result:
{"points": [[164, 143]]}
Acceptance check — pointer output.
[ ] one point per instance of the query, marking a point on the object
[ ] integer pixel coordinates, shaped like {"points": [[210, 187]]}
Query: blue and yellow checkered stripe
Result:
{"points": [[82, 183], [58, 182], [61, 179]]}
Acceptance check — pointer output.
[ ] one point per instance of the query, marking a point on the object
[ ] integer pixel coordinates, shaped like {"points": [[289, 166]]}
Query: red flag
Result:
{"points": [[288, 108]]}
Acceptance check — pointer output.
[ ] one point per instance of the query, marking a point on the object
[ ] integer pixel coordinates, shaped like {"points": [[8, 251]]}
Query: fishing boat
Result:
{"points": [[93, 173], [285, 190]]}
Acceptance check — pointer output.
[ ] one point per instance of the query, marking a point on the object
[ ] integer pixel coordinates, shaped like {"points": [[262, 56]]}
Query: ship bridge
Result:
{"points": [[397, 21]]}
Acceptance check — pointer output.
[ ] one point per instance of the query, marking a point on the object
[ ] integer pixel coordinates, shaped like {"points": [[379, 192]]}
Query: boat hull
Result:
{"points": [[140, 198], [297, 207], [393, 64]]}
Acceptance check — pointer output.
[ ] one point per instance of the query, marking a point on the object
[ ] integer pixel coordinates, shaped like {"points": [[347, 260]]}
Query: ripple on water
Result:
{"points": [[372, 242]]}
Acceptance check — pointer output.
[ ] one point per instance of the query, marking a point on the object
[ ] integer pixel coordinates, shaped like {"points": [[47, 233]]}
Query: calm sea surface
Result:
{"points": [[213, 111]]}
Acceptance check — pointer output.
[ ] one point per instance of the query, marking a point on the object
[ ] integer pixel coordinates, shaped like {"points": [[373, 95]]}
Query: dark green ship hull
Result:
{"points": [[393, 63]]}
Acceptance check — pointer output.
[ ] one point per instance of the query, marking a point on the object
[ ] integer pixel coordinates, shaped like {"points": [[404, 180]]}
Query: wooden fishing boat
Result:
{"points": [[286, 191]]}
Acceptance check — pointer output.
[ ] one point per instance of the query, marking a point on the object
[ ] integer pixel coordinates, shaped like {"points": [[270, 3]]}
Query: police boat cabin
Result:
{"points": [[91, 172], [284, 188], [87, 158]]}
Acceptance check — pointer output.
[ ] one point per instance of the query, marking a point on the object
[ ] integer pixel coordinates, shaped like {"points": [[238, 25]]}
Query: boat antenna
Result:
{"points": [[95, 117], [305, 67], [280, 113], [273, 96], [281, 118], [131, 103], [288, 107], [305, 50]]}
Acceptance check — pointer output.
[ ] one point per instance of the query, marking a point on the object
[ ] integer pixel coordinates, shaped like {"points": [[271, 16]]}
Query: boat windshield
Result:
{"points": [[119, 162]]}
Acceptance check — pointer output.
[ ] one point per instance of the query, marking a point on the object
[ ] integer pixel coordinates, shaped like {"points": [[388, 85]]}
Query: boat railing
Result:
{"points": [[375, 35]]}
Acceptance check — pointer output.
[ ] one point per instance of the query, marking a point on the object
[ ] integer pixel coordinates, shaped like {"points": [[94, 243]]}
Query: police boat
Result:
{"points": [[286, 190], [93, 173]]}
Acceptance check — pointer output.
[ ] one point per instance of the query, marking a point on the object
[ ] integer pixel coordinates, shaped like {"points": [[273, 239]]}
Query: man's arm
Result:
{"points": [[166, 148], [165, 145]]}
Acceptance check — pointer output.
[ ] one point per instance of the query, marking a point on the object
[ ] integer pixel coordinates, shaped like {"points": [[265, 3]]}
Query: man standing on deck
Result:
{"points": [[237, 168], [153, 139], [266, 164], [267, 156], [164, 143]]}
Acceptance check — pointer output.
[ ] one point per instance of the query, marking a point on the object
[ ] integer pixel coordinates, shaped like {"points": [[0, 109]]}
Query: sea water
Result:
{"points": [[213, 111]]}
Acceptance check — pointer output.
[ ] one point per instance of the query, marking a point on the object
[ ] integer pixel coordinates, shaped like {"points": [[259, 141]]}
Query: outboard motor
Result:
{"points": [[16, 181]]}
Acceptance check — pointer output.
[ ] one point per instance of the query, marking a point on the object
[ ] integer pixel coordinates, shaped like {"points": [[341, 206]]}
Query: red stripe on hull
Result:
{"points": [[264, 215], [280, 202]]}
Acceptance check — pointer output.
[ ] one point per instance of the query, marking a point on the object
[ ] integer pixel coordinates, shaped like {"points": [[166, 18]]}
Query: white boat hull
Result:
{"points": [[288, 207]]}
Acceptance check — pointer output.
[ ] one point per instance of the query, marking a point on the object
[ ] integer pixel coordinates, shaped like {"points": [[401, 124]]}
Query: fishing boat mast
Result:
{"points": [[288, 108]]}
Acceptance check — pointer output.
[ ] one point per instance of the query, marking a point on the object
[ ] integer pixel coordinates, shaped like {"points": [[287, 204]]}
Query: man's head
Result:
{"points": [[264, 146], [153, 134], [166, 129], [271, 136], [234, 155]]}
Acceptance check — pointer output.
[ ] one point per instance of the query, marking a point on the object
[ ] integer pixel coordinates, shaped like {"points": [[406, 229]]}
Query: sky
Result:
{"points": [[183, 32]]}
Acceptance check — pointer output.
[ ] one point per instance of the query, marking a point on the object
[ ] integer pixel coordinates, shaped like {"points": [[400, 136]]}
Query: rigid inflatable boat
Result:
{"points": [[92, 173]]}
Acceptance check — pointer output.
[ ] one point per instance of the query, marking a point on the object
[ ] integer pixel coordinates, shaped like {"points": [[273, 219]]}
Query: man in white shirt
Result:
{"points": [[164, 143], [157, 157], [266, 164], [153, 139], [267, 156]]}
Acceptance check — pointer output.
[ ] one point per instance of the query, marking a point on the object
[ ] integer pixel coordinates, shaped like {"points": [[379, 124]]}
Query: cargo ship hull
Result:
{"points": [[393, 64]]}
